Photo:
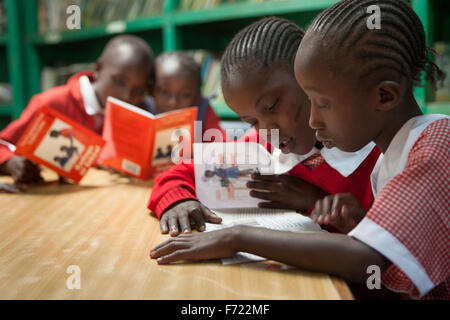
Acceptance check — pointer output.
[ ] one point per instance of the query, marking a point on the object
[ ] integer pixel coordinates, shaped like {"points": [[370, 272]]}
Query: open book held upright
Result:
{"points": [[59, 143], [222, 171], [141, 144]]}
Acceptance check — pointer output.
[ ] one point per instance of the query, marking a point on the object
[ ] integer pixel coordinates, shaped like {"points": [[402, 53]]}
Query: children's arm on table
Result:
{"points": [[11, 188], [329, 253], [19, 168], [174, 202]]}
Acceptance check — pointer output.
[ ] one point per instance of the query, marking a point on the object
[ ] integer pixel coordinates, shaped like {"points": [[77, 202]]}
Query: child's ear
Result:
{"points": [[97, 69], [389, 94]]}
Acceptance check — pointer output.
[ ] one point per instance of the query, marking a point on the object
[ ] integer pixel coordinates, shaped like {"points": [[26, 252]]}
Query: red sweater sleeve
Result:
{"points": [[171, 186], [178, 183], [15, 129]]}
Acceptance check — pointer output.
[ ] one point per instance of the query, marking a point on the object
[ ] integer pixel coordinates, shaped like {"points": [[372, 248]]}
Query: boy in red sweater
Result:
{"points": [[124, 71], [261, 88], [178, 85]]}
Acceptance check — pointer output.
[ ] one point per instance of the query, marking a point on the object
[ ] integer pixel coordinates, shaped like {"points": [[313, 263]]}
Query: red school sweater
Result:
{"points": [[66, 99], [178, 183]]}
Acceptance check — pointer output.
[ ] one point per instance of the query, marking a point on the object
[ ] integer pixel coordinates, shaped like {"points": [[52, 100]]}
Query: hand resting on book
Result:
{"points": [[284, 192], [182, 214]]}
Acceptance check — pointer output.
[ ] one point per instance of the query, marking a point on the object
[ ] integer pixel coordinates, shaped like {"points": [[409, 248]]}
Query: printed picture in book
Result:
{"points": [[166, 142], [226, 178], [61, 144]]}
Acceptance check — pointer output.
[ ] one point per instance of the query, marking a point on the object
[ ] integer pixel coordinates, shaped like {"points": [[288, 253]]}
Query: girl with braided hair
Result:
{"points": [[365, 93]]}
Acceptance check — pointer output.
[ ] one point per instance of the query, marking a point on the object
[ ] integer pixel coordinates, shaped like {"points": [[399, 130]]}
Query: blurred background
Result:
{"points": [[38, 52]]}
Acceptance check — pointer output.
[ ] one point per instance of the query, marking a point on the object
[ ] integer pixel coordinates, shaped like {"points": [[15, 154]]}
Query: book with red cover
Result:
{"points": [[61, 144], [141, 144]]}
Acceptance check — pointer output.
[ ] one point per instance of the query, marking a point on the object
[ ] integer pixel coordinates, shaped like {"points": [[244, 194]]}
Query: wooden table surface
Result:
{"points": [[103, 227]]}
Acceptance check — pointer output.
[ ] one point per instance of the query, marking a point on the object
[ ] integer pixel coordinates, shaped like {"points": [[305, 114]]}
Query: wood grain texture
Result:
{"points": [[103, 226]]}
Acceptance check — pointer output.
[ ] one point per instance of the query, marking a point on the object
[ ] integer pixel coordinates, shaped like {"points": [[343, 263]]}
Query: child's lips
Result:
{"points": [[285, 145], [327, 143]]}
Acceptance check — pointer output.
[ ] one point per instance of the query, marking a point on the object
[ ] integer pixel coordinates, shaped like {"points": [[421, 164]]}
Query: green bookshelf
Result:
{"points": [[11, 66], [174, 29]]}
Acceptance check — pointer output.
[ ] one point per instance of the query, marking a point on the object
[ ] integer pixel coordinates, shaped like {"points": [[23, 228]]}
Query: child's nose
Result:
{"points": [[173, 102], [269, 124], [127, 95], [315, 121]]}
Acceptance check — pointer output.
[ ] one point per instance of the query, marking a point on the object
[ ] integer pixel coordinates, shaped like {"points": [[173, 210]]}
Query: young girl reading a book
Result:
{"points": [[178, 85], [360, 82], [258, 83], [124, 71]]}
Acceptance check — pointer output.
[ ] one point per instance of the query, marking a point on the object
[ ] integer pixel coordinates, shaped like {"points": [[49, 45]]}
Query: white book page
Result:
{"points": [[283, 220], [222, 171], [131, 107]]}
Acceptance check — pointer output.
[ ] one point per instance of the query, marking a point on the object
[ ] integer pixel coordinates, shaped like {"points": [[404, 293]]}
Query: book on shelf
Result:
{"points": [[210, 71], [3, 18], [59, 143], [442, 49], [193, 5], [52, 13], [141, 144], [210, 63], [222, 171], [56, 76], [5, 93]]}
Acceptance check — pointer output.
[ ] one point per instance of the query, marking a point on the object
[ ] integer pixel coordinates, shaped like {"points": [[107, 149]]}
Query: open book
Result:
{"points": [[222, 171], [59, 143], [141, 144]]}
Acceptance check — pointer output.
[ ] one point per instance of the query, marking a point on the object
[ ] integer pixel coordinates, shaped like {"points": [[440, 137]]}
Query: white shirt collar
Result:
{"points": [[346, 162], [285, 162], [90, 101], [343, 162]]}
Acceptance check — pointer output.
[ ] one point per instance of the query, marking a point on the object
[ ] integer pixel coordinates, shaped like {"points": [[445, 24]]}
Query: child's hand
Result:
{"points": [[200, 246], [284, 192], [23, 170], [12, 188], [181, 215], [341, 211]]}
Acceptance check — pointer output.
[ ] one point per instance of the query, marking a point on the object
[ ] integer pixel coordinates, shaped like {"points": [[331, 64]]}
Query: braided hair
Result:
{"points": [[399, 45], [266, 42]]}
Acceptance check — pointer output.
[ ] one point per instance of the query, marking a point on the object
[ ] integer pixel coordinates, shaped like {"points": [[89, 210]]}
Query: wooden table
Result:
{"points": [[103, 227]]}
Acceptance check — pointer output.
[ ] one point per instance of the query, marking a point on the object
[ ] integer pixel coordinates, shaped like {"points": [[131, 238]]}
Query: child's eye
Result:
{"points": [[273, 106], [118, 81], [252, 123]]}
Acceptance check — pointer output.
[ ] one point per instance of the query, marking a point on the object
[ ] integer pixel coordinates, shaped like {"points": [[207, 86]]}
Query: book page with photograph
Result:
{"points": [[222, 171]]}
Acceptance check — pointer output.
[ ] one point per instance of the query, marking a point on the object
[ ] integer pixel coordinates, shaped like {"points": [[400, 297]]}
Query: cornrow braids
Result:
{"points": [[399, 45], [266, 42]]}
